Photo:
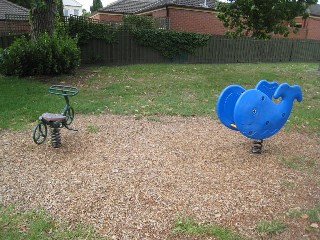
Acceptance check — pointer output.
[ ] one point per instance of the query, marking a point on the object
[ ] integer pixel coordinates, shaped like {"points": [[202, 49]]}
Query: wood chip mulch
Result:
{"points": [[132, 179]]}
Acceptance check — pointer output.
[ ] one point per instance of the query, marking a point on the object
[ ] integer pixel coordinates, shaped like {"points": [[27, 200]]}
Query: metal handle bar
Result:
{"points": [[63, 90]]}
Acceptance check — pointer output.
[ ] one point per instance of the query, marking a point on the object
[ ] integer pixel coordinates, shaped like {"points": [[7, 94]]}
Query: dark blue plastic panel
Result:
{"points": [[267, 88], [226, 103]]}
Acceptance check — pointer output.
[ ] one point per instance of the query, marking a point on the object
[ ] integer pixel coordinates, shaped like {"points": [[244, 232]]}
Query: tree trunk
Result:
{"points": [[43, 18], [60, 9]]}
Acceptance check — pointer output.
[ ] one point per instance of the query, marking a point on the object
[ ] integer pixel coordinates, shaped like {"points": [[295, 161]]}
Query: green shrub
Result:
{"points": [[136, 21], [170, 43], [49, 55], [15, 59], [84, 29]]}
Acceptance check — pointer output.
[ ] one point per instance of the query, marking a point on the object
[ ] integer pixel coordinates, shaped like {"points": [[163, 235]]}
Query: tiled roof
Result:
{"points": [[134, 6], [315, 10], [7, 7], [73, 3], [128, 6]]}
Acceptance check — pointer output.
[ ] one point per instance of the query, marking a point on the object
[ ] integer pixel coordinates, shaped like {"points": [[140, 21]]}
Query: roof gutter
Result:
{"points": [[177, 6]]}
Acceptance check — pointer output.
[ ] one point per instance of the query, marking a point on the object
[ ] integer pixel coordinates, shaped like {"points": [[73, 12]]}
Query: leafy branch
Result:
{"points": [[170, 43]]}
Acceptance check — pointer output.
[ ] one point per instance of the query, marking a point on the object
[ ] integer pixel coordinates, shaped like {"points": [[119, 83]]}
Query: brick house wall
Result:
{"points": [[14, 27], [313, 28], [108, 17], [310, 29], [203, 20], [191, 20], [302, 34], [181, 19], [3, 26], [159, 13], [302, 30]]}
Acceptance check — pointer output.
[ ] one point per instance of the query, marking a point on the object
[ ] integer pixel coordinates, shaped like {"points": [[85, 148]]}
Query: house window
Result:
{"points": [[297, 25], [65, 12], [76, 12]]}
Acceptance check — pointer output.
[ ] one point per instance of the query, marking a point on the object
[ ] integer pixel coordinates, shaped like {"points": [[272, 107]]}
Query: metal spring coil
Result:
{"points": [[55, 137], [257, 146]]}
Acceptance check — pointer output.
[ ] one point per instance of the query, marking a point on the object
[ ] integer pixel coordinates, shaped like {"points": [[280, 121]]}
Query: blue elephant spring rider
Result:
{"points": [[55, 121], [254, 113]]}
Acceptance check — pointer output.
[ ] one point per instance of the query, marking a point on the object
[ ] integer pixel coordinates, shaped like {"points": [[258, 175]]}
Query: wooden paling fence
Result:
{"points": [[220, 49], [5, 41]]}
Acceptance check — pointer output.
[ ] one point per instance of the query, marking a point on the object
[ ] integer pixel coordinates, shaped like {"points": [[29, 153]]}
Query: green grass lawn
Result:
{"points": [[185, 225], [38, 225], [158, 89]]}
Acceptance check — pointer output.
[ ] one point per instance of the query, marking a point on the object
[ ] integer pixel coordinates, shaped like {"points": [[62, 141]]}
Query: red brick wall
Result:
{"points": [[313, 28], [108, 17], [206, 21], [160, 13], [310, 29], [195, 21], [3, 26], [14, 27], [302, 34]]}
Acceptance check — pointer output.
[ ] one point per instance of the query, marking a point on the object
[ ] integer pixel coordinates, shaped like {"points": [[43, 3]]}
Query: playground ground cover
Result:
{"points": [[150, 155]]}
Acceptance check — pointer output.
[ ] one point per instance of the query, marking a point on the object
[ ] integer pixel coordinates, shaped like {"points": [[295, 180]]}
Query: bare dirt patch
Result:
{"points": [[132, 178]]}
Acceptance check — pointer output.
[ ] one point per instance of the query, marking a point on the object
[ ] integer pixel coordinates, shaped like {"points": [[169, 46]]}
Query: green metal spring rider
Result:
{"points": [[55, 121]]}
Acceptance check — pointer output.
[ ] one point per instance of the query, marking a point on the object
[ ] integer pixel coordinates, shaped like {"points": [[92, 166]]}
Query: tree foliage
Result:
{"points": [[260, 19], [84, 29], [85, 13], [23, 3], [137, 21], [96, 4], [59, 8], [170, 44]]}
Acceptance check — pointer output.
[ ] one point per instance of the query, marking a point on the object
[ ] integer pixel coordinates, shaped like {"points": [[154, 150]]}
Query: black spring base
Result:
{"points": [[257, 146], [55, 137]]}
